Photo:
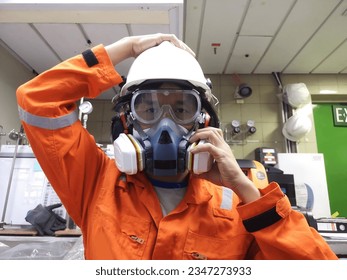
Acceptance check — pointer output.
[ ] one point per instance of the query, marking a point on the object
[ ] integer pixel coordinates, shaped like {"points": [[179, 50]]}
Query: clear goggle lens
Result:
{"points": [[149, 106]]}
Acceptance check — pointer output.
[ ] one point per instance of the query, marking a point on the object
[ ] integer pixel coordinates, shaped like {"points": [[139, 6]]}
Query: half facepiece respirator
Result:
{"points": [[162, 150]]}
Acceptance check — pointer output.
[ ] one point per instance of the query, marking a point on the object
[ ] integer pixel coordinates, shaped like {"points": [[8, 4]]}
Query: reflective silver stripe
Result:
{"points": [[47, 123], [227, 199]]}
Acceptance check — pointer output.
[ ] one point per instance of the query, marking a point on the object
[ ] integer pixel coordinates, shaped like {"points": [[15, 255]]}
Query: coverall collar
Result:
{"points": [[197, 191]]}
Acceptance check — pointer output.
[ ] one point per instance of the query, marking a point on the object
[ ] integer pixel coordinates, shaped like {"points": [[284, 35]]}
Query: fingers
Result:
{"points": [[178, 43], [133, 46], [53, 206], [142, 43], [211, 134], [215, 144]]}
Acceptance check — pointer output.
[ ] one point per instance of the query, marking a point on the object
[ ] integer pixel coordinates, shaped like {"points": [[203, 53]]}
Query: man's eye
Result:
{"points": [[181, 110], [150, 110]]}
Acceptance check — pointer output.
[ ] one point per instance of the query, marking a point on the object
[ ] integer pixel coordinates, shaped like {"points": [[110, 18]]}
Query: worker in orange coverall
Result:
{"points": [[159, 198]]}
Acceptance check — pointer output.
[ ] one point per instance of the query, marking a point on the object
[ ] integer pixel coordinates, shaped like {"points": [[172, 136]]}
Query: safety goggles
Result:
{"points": [[149, 106]]}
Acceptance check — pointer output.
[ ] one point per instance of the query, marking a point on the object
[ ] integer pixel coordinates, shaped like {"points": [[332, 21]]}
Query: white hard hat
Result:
{"points": [[166, 62], [296, 127], [296, 95]]}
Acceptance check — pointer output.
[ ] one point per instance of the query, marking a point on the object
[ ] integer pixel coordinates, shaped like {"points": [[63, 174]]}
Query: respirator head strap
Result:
{"points": [[119, 123]]}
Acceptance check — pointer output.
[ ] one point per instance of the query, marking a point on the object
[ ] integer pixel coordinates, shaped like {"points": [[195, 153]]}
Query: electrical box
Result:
{"points": [[266, 156]]}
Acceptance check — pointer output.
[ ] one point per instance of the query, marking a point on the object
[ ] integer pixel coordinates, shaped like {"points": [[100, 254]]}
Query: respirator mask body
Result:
{"points": [[165, 138]]}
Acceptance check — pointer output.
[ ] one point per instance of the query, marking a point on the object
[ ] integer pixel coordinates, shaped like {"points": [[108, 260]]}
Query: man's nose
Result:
{"points": [[166, 112]]}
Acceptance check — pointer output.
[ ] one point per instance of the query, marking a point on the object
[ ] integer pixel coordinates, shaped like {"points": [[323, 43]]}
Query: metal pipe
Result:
{"points": [[80, 111], [19, 137], [1, 134]]}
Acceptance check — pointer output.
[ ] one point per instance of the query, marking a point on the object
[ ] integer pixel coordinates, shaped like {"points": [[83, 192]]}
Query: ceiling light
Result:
{"points": [[327, 91]]}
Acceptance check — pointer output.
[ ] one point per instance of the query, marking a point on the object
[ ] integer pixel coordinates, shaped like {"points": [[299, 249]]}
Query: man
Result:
{"points": [[151, 203]]}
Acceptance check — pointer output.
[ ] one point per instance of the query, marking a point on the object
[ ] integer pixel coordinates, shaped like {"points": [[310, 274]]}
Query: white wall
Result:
{"points": [[12, 75]]}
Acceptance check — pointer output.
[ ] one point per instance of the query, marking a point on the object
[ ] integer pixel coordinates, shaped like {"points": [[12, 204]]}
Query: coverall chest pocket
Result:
{"points": [[201, 247], [133, 236]]}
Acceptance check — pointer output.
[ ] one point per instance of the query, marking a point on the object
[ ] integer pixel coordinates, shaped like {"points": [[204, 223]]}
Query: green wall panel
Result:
{"points": [[332, 142]]}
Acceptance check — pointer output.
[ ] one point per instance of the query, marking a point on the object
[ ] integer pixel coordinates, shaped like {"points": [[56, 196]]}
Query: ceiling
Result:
{"points": [[228, 36]]}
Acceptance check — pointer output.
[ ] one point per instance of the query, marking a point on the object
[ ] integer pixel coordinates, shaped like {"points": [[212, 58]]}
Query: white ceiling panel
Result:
{"points": [[334, 61], [330, 35], [86, 13], [143, 29], [104, 33], [245, 57], [27, 44], [303, 21], [193, 23], [176, 20], [264, 17], [220, 25], [67, 40]]}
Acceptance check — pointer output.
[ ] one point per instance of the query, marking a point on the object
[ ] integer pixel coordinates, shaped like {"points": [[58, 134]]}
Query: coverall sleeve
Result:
{"points": [[47, 107], [279, 231]]}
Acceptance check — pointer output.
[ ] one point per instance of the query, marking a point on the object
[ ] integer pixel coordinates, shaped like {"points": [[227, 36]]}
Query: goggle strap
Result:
{"points": [[213, 120], [192, 130], [138, 128]]}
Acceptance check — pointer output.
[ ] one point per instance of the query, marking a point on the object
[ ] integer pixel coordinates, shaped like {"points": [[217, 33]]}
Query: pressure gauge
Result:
{"points": [[86, 107], [235, 123], [250, 123], [251, 126], [236, 126]]}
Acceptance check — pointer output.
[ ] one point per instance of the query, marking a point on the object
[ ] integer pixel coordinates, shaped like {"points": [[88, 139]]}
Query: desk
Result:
{"points": [[17, 246], [337, 242], [64, 246], [339, 247]]}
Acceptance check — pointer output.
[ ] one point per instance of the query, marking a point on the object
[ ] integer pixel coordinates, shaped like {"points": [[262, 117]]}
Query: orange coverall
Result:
{"points": [[119, 215]]}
